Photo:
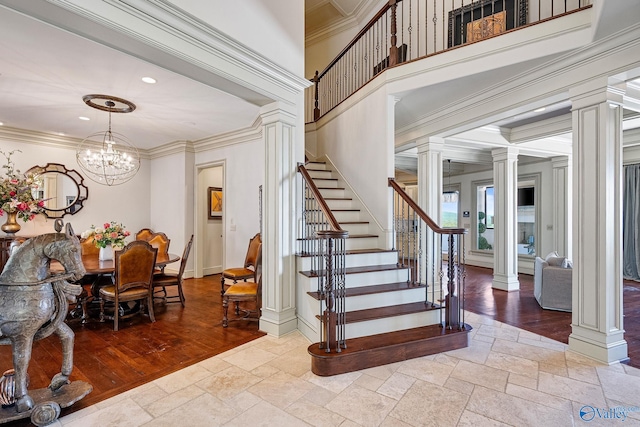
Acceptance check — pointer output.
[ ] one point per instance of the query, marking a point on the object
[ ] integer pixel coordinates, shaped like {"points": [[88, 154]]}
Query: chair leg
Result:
{"points": [[101, 310], [116, 315], [180, 294], [221, 285], [150, 307], [225, 309], [237, 308]]}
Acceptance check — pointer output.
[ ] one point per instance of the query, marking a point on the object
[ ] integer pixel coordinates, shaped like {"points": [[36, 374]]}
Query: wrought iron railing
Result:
{"points": [[323, 240], [405, 30], [435, 256]]}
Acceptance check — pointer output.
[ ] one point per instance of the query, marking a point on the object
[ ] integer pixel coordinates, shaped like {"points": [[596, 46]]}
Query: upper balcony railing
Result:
{"points": [[406, 30]]}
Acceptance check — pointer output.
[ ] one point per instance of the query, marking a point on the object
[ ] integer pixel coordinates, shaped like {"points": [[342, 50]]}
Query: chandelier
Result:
{"points": [[108, 157]]}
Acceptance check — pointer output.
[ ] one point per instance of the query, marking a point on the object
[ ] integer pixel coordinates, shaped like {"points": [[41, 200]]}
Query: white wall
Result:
{"points": [[127, 203], [212, 244]]}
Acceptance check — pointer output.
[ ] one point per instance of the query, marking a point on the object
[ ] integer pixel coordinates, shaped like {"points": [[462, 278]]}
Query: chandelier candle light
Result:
{"points": [[108, 157]]}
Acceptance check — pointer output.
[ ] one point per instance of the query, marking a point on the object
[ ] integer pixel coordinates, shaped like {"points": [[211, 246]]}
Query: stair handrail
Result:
{"points": [[328, 262], [426, 218]]}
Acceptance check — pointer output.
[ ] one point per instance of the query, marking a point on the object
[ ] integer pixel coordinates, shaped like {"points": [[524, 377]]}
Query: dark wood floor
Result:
{"points": [[114, 362], [522, 310], [141, 351]]}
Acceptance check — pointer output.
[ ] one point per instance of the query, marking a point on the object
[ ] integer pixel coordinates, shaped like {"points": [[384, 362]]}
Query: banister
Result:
{"points": [[333, 223], [431, 223]]}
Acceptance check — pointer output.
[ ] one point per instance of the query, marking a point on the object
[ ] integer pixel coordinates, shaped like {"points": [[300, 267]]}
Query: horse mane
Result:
{"points": [[26, 258]]}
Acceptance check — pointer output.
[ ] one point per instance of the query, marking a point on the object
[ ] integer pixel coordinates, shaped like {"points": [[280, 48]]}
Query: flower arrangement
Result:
{"points": [[110, 234], [17, 192]]}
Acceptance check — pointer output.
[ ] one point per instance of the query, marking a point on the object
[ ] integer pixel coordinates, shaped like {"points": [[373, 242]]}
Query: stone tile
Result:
{"points": [[583, 373], [173, 400], [148, 395], [539, 397], [396, 386], [243, 401], [477, 351], [214, 364], [295, 362], [265, 371], [362, 406], [498, 332], [228, 383], [393, 422], [514, 364], [514, 410], [203, 411], [471, 419], [426, 370], [484, 338], [619, 386], [571, 389], [442, 408], [523, 381], [446, 359], [527, 351], [485, 376], [78, 414], [460, 386], [182, 378], [369, 382], [250, 359], [281, 389], [126, 412], [265, 414], [319, 395], [313, 414], [630, 370], [383, 372], [542, 343], [526, 335], [336, 383]]}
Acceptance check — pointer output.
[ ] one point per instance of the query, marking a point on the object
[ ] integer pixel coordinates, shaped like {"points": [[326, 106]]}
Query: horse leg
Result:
{"points": [[21, 357], [66, 336]]}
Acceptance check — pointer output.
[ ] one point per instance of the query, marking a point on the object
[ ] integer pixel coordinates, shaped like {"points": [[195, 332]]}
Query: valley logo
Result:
{"points": [[588, 413]]}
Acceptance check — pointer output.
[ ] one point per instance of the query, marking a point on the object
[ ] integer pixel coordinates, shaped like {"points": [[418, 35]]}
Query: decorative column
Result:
{"points": [[505, 194], [429, 199], [562, 218], [279, 221], [597, 329]]}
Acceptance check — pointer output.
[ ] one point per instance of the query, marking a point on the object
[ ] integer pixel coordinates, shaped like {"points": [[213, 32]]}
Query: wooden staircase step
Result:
{"points": [[354, 252], [373, 289], [376, 350], [356, 270], [350, 236], [388, 311]]}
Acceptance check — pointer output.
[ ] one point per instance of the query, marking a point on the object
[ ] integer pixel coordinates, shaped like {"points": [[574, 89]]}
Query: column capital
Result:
{"points": [[596, 92], [560, 162], [505, 153], [278, 112], [430, 143]]}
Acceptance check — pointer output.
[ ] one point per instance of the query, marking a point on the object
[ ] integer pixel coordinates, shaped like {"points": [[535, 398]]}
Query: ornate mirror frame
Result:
{"points": [[78, 180]]}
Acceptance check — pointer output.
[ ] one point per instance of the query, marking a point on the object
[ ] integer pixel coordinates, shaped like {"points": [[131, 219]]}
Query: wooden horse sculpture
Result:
{"points": [[33, 304]]}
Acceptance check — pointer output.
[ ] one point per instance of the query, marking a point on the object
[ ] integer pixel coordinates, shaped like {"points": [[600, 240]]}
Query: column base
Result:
{"points": [[278, 324], [506, 283], [601, 350]]}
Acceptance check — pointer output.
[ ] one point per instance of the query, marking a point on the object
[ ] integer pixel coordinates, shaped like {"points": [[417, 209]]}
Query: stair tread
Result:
{"points": [[388, 311], [338, 198], [374, 289], [350, 236], [356, 252], [341, 222], [364, 269], [330, 188]]}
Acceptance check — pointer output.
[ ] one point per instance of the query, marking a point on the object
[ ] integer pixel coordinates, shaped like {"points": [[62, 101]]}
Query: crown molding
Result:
{"points": [[363, 12], [241, 136]]}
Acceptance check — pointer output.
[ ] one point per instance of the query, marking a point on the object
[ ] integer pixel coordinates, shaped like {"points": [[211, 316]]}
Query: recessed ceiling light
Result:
{"points": [[1, 124], [84, 118], [61, 133], [149, 80], [539, 110]]}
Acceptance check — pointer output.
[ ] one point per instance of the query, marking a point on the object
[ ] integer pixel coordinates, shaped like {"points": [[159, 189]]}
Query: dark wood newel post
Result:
{"points": [[316, 110], [393, 50]]}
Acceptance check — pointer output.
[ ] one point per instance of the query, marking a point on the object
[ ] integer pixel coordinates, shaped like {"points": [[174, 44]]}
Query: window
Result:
{"points": [[526, 219], [485, 209], [450, 208]]}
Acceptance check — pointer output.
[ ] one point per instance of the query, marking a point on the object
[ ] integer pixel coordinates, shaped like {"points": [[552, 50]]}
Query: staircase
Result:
{"points": [[388, 317]]}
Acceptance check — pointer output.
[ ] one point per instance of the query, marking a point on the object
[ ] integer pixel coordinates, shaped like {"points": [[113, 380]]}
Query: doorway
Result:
{"points": [[210, 181]]}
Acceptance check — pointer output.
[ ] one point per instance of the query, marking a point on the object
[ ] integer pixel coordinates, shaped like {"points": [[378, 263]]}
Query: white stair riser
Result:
{"points": [[326, 183], [332, 192], [310, 284], [356, 260], [316, 166], [356, 228], [361, 243], [345, 216], [390, 324], [363, 302], [339, 203], [320, 174]]}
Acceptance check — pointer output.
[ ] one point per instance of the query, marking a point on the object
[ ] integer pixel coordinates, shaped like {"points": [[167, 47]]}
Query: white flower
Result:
{"points": [[86, 233], [98, 230]]}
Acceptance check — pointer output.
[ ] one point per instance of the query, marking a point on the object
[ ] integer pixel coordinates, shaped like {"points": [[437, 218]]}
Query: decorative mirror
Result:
{"points": [[63, 189]]}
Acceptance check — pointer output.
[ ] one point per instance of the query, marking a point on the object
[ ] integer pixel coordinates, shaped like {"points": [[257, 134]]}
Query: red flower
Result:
{"points": [[106, 225], [41, 204], [12, 193]]}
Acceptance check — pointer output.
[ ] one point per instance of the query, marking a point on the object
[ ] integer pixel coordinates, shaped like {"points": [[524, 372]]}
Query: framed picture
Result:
{"points": [[215, 202]]}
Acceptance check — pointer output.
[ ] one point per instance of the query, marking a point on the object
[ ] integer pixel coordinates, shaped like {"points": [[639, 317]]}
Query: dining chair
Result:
{"points": [[132, 281], [249, 269], [90, 282], [244, 292], [144, 234], [158, 240], [163, 280]]}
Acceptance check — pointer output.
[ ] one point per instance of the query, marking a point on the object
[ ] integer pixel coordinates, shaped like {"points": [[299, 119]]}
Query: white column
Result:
{"points": [[429, 198], [505, 247], [562, 218], [597, 329], [279, 213]]}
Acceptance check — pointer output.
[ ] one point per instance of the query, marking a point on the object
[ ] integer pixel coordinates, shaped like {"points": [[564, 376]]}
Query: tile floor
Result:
{"points": [[506, 376]]}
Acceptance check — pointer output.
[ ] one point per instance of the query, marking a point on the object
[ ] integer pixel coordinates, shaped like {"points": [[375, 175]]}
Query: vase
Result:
{"points": [[106, 253], [11, 226]]}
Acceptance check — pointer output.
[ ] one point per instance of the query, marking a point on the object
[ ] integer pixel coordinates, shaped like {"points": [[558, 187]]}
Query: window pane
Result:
{"points": [[450, 203], [484, 211], [526, 221], [490, 210]]}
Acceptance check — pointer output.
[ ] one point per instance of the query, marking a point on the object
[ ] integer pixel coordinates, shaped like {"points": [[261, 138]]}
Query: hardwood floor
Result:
{"points": [[141, 351], [114, 362], [522, 310]]}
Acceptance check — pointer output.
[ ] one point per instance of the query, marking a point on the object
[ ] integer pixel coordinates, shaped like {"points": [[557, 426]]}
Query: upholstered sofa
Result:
{"points": [[552, 282]]}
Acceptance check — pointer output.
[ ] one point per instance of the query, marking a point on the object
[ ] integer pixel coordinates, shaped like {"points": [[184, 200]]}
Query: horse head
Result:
{"points": [[67, 252]]}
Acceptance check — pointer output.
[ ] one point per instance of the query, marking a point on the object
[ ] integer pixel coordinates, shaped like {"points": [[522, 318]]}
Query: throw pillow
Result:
{"points": [[567, 263], [553, 254], [556, 261]]}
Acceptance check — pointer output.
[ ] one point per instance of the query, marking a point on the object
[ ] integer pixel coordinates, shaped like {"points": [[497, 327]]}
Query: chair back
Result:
{"points": [[160, 241], [88, 246], [185, 256], [144, 234], [255, 247], [134, 265]]}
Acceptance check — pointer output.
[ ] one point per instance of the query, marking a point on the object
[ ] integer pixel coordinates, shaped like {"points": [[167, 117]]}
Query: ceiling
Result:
{"points": [[45, 72]]}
